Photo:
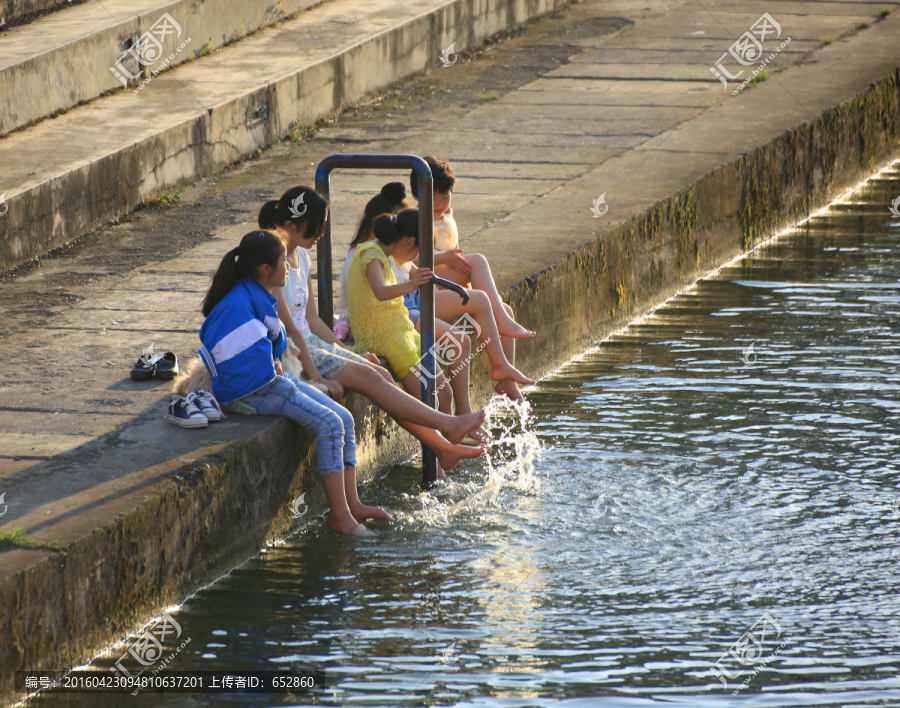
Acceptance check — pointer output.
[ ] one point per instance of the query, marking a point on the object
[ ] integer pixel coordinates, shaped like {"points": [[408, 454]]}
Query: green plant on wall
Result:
{"points": [[17, 539], [162, 198], [241, 32], [300, 132], [206, 48]]}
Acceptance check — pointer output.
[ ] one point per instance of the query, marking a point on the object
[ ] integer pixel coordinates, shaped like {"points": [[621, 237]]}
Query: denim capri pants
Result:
{"points": [[309, 407]]}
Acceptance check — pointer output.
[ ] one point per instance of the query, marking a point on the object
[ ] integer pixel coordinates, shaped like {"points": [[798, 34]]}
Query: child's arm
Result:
{"points": [[316, 324], [452, 258], [389, 292], [318, 327], [296, 336]]}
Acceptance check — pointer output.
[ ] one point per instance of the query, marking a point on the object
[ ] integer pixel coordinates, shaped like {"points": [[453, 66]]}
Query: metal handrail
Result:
{"points": [[426, 260]]}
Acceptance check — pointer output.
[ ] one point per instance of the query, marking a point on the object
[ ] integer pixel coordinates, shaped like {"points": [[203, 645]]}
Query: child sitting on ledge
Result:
{"points": [[243, 341], [470, 271], [381, 322]]}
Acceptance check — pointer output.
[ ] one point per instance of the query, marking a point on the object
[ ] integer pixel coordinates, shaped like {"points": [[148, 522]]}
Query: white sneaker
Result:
{"points": [[184, 411], [207, 404]]}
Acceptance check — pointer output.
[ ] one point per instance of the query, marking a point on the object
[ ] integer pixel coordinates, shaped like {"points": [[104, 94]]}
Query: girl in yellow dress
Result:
{"points": [[378, 317], [377, 309]]}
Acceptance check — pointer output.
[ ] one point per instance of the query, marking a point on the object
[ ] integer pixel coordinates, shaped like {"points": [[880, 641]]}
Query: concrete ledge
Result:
{"points": [[125, 154], [174, 531], [47, 71], [639, 263]]}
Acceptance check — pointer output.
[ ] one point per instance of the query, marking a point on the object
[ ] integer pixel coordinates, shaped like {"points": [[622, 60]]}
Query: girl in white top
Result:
{"points": [[299, 217]]}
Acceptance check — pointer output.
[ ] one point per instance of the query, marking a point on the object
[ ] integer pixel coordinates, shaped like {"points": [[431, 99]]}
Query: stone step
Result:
{"points": [[17, 12], [97, 162], [66, 58]]}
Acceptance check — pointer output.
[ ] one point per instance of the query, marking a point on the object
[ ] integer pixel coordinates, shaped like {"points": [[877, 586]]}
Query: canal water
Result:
{"points": [[702, 511]]}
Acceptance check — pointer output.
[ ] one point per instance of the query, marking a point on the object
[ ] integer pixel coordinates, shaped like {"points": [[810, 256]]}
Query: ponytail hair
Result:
{"points": [[268, 216], [256, 248], [390, 200], [390, 229], [299, 205]]}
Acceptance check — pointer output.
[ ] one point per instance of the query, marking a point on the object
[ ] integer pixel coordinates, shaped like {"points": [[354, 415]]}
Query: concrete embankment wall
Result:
{"points": [[221, 509], [638, 264], [182, 525], [43, 83]]}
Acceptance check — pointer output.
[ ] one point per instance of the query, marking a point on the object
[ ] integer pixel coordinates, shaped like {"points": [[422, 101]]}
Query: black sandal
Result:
{"points": [[166, 366], [145, 365]]}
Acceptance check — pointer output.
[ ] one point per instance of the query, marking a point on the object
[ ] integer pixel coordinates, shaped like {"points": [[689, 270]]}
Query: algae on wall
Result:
{"points": [[844, 141], [682, 215]]}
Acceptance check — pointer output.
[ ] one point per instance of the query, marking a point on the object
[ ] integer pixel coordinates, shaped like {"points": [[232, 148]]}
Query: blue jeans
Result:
{"points": [[411, 300], [309, 407]]}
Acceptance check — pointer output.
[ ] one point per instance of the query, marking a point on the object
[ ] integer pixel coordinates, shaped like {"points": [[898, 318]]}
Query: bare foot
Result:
{"points": [[506, 371], [361, 512], [461, 425], [449, 457], [513, 329], [510, 390], [349, 527], [479, 435]]}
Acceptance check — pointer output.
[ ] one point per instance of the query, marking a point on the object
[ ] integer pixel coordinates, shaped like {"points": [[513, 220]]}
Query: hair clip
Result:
{"points": [[394, 219], [275, 207]]}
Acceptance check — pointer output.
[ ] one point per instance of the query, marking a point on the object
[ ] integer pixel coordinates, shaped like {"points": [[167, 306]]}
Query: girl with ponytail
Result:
{"points": [[325, 359], [243, 341], [390, 200], [381, 322]]}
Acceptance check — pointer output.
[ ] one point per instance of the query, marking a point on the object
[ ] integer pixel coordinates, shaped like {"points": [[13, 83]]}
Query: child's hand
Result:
{"points": [[457, 261], [420, 277], [279, 369], [368, 356], [335, 390]]}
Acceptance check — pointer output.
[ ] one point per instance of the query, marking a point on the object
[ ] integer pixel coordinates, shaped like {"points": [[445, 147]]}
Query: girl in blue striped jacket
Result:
{"points": [[243, 341]]}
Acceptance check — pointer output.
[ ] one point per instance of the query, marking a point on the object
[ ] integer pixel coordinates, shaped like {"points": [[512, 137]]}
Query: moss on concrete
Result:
{"points": [[640, 262], [621, 293], [782, 180], [682, 215], [649, 223]]}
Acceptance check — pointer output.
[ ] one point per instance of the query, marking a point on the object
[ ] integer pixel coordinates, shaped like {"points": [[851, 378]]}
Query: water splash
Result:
{"points": [[514, 448], [509, 461]]}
